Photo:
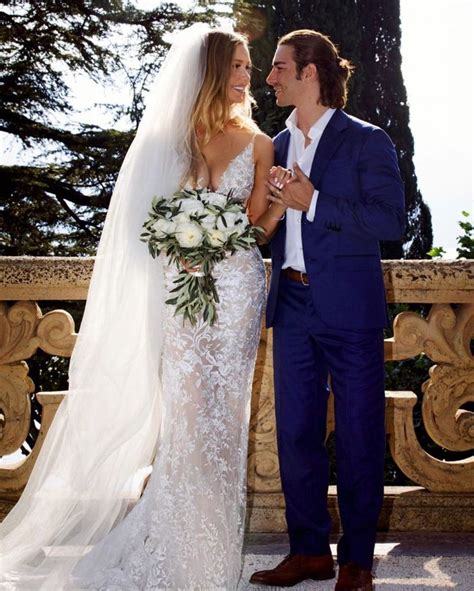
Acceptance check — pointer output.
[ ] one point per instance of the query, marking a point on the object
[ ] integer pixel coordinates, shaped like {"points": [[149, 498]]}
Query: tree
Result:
{"points": [[368, 33], [54, 203]]}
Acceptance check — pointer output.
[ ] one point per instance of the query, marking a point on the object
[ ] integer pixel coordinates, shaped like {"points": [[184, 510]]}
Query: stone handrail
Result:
{"points": [[67, 278], [444, 336]]}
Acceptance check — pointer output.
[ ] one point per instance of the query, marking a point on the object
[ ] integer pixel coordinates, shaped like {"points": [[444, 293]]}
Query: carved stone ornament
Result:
{"points": [[263, 467], [24, 329], [445, 337], [15, 407]]}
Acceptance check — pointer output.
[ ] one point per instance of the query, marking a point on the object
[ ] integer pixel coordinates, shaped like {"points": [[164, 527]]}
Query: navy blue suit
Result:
{"points": [[334, 327]]}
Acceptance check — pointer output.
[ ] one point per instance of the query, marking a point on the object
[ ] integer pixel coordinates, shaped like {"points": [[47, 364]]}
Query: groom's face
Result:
{"points": [[283, 77]]}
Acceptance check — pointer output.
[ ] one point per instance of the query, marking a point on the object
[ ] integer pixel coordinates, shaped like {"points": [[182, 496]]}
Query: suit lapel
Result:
{"points": [[328, 144], [282, 142]]}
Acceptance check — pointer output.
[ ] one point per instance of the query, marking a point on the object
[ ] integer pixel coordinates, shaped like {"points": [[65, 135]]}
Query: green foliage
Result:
{"points": [[436, 252], [465, 248]]}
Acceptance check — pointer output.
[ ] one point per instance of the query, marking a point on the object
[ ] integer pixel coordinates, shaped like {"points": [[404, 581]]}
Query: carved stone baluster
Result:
{"points": [[263, 468], [24, 329], [445, 337]]}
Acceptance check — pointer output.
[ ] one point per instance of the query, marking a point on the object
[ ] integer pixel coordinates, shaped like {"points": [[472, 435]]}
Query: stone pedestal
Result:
{"points": [[405, 509]]}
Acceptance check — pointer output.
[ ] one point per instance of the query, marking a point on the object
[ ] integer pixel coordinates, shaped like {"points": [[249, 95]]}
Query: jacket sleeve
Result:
{"points": [[379, 210]]}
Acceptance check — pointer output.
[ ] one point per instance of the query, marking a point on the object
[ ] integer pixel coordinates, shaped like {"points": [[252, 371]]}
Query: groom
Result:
{"points": [[327, 309]]}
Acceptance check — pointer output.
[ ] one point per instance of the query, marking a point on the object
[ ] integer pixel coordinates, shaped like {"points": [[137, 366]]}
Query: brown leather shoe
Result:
{"points": [[296, 568], [354, 578]]}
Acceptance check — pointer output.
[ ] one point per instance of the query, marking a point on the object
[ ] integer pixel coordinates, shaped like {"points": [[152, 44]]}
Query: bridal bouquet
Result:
{"points": [[196, 229]]}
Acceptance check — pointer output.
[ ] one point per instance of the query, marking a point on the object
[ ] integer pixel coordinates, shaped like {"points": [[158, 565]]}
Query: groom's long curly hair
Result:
{"points": [[312, 47], [213, 110]]}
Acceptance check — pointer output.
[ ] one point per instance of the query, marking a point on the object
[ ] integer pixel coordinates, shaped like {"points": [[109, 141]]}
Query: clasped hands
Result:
{"points": [[290, 188]]}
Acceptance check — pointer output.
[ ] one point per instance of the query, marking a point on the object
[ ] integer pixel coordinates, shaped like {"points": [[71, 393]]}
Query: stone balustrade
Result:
{"points": [[444, 336]]}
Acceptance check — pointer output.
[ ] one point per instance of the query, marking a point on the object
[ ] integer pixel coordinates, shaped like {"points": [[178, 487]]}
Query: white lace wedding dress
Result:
{"points": [[186, 532]]}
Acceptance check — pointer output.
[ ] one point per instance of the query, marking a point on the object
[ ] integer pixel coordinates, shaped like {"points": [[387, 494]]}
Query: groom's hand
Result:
{"points": [[296, 193]]}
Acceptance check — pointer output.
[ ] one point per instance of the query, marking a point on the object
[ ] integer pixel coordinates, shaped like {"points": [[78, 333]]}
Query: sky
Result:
{"points": [[437, 65]]}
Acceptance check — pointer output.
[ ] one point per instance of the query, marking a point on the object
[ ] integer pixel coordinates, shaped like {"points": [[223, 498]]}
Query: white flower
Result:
{"points": [[208, 222], [229, 221], [216, 237], [189, 234], [241, 223], [186, 226], [164, 227], [181, 218], [242, 218], [191, 206], [216, 198]]}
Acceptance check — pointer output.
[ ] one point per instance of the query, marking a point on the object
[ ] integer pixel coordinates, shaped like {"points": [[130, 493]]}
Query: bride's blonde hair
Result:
{"points": [[212, 110]]}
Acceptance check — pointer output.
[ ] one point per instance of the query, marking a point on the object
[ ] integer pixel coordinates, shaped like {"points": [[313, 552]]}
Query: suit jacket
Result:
{"points": [[361, 201]]}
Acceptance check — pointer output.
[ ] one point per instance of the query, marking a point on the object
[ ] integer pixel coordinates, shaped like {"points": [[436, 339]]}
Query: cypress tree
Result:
{"points": [[368, 33]]}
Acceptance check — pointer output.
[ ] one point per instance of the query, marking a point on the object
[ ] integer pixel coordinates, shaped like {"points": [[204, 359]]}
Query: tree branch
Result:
{"points": [[76, 218]]}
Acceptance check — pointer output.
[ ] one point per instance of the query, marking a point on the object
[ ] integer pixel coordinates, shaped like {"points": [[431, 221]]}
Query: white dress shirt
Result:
{"points": [[304, 157]]}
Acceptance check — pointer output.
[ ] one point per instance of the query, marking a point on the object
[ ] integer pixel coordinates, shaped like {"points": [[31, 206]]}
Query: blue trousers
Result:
{"points": [[306, 352]]}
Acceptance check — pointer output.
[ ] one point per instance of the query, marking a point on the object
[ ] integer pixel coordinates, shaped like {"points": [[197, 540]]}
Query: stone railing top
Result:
{"points": [[67, 278]]}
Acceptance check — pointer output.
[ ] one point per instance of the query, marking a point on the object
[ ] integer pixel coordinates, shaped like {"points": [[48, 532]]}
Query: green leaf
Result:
{"points": [[436, 251]]}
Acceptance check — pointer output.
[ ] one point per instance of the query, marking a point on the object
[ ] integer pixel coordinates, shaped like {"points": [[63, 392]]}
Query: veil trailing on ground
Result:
{"points": [[107, 427]]}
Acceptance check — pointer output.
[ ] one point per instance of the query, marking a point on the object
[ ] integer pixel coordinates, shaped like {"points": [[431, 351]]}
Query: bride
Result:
{"points": [[143, 386]]}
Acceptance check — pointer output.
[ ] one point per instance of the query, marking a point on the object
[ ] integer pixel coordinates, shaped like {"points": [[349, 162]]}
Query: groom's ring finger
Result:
{"points": [[274, 199], [273, 190]]}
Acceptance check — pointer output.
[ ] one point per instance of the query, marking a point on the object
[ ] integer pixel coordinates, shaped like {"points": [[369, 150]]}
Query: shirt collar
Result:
{"points": [[291, 121], [316, 129]]}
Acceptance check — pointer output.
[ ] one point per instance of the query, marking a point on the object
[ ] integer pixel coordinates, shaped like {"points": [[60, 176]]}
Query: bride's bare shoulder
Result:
{"points": [[263, 147], [263, 139]]}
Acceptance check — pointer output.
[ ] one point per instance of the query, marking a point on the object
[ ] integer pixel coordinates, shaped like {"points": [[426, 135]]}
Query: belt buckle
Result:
{"points": [[302, 279]]}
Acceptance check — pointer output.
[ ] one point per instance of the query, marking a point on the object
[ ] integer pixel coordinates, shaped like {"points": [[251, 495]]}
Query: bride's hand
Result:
{"points": [[279, 176], [188, 268]]}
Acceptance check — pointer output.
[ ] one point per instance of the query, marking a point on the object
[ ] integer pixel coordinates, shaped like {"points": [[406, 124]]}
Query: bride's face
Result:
{"points": [[240, 70]]}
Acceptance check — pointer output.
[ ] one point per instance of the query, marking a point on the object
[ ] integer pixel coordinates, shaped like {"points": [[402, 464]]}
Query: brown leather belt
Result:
{"points": [[295, 275]]}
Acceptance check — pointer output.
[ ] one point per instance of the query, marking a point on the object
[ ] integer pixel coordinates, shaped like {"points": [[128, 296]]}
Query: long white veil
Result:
{"points": [[107, 427]]}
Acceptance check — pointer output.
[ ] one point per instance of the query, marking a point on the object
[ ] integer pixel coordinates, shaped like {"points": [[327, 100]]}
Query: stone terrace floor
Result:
{"points": [[424, 561]]}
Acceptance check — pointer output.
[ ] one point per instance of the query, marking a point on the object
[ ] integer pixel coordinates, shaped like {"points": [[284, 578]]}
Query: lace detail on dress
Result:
{"points": [[239, 175], [187, 530]]}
